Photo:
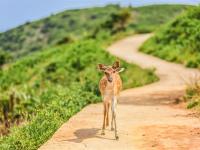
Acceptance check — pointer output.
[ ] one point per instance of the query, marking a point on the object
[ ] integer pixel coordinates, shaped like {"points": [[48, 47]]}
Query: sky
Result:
{"points": [[17, 12]]}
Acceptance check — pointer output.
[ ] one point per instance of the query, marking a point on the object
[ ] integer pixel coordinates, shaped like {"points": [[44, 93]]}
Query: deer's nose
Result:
{"points": [[110, 79]]}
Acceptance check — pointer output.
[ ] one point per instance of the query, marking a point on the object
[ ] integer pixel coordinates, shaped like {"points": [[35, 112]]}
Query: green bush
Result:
{"points": [[46, 121], [178, 40], [192, 95], [192, 104]]}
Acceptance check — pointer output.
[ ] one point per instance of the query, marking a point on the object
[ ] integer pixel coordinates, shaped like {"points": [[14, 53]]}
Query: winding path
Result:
{"points": [[147, 116]]}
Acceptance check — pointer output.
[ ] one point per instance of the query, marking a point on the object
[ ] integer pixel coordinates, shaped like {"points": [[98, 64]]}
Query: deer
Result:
{"points": [[110, 86]]}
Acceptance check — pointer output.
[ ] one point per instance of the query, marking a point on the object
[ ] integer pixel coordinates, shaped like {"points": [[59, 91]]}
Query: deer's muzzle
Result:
{"points": [[110, 79]]}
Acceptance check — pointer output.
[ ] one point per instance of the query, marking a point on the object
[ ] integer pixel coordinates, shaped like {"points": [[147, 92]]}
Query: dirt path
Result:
{"points": [[147, 118]]}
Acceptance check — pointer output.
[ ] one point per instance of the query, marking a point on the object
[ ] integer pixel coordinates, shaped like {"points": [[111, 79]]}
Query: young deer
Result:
{"points": [[110, 86]]}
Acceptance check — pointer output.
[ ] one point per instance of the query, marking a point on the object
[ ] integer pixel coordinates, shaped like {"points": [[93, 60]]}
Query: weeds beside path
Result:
{"points": [[145, 116]]}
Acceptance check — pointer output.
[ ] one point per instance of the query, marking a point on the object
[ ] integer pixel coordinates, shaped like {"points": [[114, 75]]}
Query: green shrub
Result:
{"points": [[192, 64], [178, 40], [192, 104], [46, 121], [192, 95]]}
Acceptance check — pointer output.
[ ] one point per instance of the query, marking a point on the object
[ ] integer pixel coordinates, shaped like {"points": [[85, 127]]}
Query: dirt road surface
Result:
{"points": [[147, 117]]}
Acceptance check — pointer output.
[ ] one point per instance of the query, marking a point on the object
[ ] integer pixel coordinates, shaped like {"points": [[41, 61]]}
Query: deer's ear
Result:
{"points": [[120, 69], [116, 65], [101, 67]]}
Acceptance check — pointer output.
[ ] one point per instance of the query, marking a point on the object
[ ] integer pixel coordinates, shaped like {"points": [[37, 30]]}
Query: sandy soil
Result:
{"points": [[147, 117]]}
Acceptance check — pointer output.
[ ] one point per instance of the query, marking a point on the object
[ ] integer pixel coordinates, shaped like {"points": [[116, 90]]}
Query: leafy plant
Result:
{"points": [[178, 40]]}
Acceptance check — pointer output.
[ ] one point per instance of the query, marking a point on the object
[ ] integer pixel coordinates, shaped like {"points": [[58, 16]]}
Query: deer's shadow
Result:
{"points": [[82, 134]]}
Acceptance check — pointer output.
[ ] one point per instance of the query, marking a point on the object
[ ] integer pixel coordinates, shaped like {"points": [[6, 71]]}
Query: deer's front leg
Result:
{"points": [[112, 119], [116, 135], [112, 128], [107, 114], [104, 119], [114, 104]]}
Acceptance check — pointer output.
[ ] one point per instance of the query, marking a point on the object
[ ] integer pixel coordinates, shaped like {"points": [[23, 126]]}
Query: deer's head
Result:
{"points": [[110, 71]]}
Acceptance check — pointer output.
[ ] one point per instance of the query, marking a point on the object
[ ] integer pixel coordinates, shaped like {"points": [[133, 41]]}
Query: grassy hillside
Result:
{"points": [[178, 41], [43, 90], [149, 18], [71, 25]]}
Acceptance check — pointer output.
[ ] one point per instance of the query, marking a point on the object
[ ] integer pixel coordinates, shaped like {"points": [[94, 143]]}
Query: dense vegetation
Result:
{"points": [[179, 40], [45, 89], [150, 18], [71, 25]]}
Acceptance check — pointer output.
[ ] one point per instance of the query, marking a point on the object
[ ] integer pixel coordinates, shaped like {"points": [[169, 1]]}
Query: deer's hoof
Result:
{"points": [[117, 137], [112, 129]]}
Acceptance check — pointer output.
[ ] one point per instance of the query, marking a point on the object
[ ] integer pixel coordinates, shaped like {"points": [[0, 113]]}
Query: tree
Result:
{"points": [[118, 21]]}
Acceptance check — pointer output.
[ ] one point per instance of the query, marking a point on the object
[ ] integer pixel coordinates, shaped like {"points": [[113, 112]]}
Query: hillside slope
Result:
{"points": [[71, 25], [45, 89], [150, 18], [179, 40]]}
